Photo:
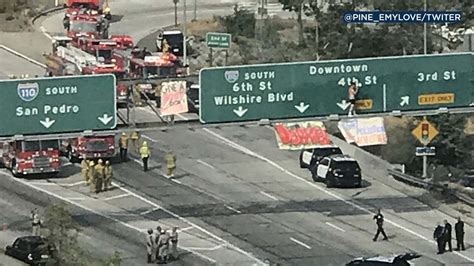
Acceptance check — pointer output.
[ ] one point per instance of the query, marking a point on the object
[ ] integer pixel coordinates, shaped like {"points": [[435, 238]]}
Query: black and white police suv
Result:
{"points": [[311, 157], [30, 249], [338, 170], [396, 260]]}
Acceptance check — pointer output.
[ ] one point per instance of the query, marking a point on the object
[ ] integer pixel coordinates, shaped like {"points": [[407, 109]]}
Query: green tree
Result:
{"points": [[296, 6], [241, 23]]}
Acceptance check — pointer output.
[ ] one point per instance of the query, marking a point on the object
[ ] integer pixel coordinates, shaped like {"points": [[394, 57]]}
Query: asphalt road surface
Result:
{"points": [[14, 65]]}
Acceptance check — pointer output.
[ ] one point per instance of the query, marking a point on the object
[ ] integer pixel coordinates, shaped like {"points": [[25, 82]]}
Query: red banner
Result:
{"points": [[301, 135]]}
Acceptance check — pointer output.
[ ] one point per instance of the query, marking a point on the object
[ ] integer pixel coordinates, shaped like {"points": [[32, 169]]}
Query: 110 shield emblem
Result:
{"points": [[28, 91]]}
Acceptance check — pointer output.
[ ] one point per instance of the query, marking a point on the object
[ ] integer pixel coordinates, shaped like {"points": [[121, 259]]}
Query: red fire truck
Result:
{"points": [[87, 25], [24, 157], [101, 6], [90, 147], [153, 66], [123, 41]]}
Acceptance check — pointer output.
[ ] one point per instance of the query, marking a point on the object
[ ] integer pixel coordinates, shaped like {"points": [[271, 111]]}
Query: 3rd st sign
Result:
{"points": [[57, 105], [310, 89]]}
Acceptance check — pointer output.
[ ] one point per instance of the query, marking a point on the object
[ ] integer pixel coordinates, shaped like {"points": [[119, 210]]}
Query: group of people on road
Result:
{"points": [[443, 236], [145, 153], [97, 176], [161, 245]]}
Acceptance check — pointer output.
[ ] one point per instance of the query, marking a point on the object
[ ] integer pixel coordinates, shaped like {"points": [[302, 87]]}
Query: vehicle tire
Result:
{"points": [[329, 183], [359, 184], [314, 176]]}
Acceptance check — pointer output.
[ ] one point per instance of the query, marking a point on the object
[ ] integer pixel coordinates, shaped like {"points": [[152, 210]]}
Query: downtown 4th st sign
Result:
{"points": [[311, 89], [57, 105]]}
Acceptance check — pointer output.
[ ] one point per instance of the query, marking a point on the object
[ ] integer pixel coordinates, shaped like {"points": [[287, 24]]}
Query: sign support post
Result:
{"points": [[425, 165], [226, 57], [425, 133], [210, 57]]}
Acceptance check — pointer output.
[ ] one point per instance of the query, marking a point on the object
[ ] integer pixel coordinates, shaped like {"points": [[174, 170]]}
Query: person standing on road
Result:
{"points": [[174, 243], [163, 246], [447, 235], [158, 96], [99, 176], [108, 174], [170, 159], [158, 233], [35, 222], [85, 170], [379, 221], [438, 236], [135, 136], [92, 176], [145, 154], [459, 230], [123, 144], [352, 93], [150, 246]]}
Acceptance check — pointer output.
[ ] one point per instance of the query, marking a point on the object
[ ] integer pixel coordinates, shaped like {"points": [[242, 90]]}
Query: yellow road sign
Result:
{"points": [[425, 132], [440, 98], [364, 104]]}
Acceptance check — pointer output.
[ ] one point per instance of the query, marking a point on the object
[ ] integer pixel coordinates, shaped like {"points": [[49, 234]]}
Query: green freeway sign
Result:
{"points": [[218, 40], [309, 89], [59, 104]]}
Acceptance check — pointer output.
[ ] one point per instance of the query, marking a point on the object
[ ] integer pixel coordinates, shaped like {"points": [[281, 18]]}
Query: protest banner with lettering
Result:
{"points": [[364, 131], [301, 135], [173, 98]]}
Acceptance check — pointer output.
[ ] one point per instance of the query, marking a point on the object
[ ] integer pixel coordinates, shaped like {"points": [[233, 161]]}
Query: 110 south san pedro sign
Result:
{"points": [[291, 90], [59, 104]]}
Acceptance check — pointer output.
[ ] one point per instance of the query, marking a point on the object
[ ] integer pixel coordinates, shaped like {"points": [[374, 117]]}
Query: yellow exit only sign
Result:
{"points": [[440, 98]]}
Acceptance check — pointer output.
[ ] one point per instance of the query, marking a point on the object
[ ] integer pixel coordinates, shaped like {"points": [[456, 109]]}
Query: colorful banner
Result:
{"points": [[301, 135], [364, 131], [173, 98]]}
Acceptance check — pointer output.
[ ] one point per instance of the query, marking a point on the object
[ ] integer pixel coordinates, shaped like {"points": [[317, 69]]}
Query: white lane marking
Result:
{"points": [[299, 242], [73, 184], [76, 198], [251, 153], [43, 183], [117, 196], [97, 212], [150, 139], [185, 229], [45, 33], [268, 195], [176, 181], [248, 254], [232, 209], [206, 164], [335, 227], [22, 56], [206, 249], [149, 211]]}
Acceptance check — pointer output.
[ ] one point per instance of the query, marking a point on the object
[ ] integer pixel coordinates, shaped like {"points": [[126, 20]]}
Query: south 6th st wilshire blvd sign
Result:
{"points": [[310, 89], [59, 104]]}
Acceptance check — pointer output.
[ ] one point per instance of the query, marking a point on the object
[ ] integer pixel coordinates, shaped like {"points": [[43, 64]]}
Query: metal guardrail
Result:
{"points": [[429, 185], [46, 12]]}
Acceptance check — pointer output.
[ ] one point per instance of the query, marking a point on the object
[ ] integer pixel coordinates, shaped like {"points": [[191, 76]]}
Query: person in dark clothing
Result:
{"points": [[447, 234], [379, 221], [459, 230], [438, 236]]}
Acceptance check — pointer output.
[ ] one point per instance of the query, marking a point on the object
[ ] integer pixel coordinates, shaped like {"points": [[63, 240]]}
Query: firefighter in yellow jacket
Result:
{"points": [[145, 154], [85, 170], [91, 173], [108, 174], [99, 175], [137, 95], [135, 137], [170, 159]]}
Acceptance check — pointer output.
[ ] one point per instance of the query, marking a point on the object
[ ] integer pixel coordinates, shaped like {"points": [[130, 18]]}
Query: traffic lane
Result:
{"points": [[390, 200], [145, 114], [14, 65], [251, 233], [98, 237], [229, 173]]}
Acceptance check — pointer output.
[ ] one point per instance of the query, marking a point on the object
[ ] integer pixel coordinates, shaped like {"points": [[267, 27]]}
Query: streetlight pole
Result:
{"points": [[184, 34], [195, 10], [424, 29]]}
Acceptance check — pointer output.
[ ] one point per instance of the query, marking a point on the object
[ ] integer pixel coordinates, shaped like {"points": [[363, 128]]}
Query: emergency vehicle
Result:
{"points": [[103, 49], [156, 65], [175, 40], [101, 6], [123, 41], [69, 60], [24, 157], [89, 147], [87, 25]]}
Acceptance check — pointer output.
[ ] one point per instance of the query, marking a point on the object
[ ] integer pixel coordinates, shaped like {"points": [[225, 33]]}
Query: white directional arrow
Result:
{"points": [[302, 107], [343, 104], [405, 100], [472, 104], [47, 123], [240, 111], [105, 119]]}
